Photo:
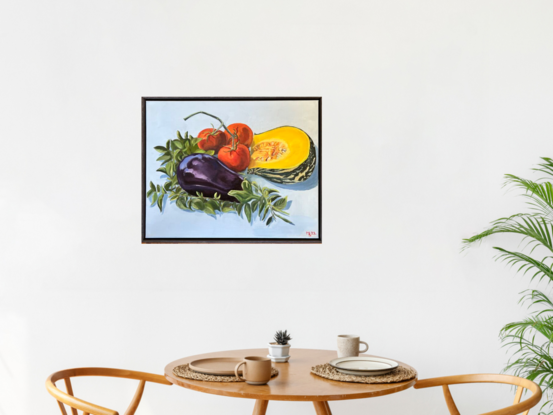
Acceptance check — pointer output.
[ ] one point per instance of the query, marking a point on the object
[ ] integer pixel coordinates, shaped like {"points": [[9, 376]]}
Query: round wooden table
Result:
{"points": [[295, 382]]}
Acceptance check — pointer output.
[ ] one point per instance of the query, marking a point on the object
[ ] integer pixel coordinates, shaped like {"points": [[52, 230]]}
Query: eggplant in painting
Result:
{"points": [[206, 174]]}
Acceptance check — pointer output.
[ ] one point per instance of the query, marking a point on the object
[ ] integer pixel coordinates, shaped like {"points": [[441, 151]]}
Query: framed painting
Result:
{"points": [[231, 170]]}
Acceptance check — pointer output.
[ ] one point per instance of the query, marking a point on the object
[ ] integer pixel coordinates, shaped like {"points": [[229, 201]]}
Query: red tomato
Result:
{"points": [[212, 139], [243, 132], [237, 159]]}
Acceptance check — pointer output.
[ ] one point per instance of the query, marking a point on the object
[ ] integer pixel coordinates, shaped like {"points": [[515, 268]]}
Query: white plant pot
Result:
{"points": [[277, 350]]}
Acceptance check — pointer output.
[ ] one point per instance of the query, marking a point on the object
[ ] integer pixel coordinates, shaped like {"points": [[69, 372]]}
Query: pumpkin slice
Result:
{"points": [[283, 155]]}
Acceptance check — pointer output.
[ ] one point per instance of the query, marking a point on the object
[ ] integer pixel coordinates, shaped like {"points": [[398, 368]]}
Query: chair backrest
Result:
{"points": [[88, 408], [517, 407]]}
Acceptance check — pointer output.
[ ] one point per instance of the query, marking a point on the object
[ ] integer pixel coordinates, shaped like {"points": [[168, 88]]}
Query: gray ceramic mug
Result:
{"points": [[348, 345]]}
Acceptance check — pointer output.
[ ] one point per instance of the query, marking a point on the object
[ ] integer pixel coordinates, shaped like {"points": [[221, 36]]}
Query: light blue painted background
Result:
{"points": [[164, 118]]}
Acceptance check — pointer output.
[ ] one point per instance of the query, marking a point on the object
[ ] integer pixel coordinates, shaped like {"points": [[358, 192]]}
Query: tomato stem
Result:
{"points": [[232, 136]]}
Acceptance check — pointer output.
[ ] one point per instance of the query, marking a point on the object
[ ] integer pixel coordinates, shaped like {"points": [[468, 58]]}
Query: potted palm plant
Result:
{"points": [[279, 350], [532, 338]]}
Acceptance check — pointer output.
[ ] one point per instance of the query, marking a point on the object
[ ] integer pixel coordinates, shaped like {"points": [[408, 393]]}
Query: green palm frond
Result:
{"points": [[546, 167], [535, 324], [531, 339], [532, 358], [536, 297], [535, 228], [527, 263], [540, 195]]}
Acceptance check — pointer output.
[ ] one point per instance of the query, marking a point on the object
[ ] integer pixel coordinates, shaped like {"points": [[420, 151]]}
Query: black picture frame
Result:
{"points": [[145, 204]]}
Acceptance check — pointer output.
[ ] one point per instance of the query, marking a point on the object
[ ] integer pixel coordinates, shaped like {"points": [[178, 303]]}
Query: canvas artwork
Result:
{"points": [[231, 170]]}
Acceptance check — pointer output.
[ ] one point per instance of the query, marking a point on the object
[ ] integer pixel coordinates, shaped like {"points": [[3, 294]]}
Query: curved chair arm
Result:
{"points": [[109, 372], [515, 409], [90, 408], [477, 378], [86, 407]]}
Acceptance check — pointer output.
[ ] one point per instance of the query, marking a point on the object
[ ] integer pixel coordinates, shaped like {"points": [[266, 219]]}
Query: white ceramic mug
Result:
{"points": [[348, 345]]}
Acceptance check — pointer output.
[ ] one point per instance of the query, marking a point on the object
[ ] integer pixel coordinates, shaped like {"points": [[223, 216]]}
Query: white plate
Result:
{"points": [[364, 365]]}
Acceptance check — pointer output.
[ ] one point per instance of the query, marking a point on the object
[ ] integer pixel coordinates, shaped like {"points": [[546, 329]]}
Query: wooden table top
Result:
{"points": [[295, 382]]}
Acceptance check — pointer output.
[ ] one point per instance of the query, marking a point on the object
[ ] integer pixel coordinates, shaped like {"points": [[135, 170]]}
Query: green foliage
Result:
{"points": [[267, 203], [532, 338], [282, 337], [175, 150]]}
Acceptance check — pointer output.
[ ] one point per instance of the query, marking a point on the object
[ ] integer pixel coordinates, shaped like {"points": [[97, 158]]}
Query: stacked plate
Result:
{"points": [[363, 365], [218, 366]]}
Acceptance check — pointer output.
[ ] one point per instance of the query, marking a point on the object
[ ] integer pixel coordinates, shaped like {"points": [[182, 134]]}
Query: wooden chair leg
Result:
{"points": [[62, 408], [322, 408], [260, 407], [449, 401]]}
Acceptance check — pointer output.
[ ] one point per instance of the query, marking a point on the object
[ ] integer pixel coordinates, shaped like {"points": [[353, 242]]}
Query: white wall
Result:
{"points": [[426, 105]]}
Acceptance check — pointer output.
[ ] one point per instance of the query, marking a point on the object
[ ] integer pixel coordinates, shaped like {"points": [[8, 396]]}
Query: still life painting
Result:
{"points": [[231, 170]]}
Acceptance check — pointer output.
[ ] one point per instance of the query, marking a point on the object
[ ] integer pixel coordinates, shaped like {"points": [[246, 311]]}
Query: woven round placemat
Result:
{"points": [[184, 371], [400, 374]]}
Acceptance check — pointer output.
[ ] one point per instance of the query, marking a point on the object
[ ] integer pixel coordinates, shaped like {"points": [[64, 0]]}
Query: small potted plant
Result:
{"points": [[279, 350]]}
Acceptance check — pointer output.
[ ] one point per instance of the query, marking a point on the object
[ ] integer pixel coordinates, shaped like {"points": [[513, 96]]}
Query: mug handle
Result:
{"points": [[243, 362], [365, 343]]}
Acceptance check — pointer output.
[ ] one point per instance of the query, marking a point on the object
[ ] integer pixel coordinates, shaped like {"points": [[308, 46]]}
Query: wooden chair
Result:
{"points": [[89, 408], [517, 407]]}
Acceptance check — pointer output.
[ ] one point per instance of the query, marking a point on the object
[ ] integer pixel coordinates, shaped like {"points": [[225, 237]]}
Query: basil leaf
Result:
{"points": [[170, 168], [283, 218], [281, 203], [262, 205], [242, 195], [181, 203], [198, 204], [214, 205], [246, 186], [226, 207], [164, 157]]}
